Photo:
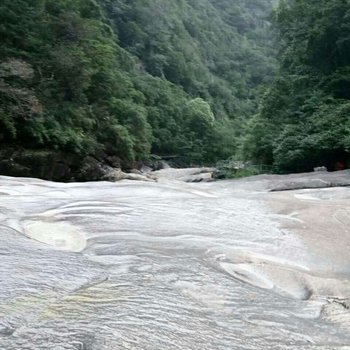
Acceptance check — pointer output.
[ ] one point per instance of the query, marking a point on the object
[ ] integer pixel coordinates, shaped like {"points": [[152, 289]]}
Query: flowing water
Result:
{"points": [[171, 265]]}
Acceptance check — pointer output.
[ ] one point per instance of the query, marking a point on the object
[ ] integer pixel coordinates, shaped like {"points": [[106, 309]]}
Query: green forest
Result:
{"points": [[303, 120], [202, 80]]}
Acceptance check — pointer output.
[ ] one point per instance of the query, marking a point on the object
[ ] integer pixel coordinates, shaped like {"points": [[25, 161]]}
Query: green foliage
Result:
{"points": [[199, 117], [303, 120], [131, 78], [217, 50]]}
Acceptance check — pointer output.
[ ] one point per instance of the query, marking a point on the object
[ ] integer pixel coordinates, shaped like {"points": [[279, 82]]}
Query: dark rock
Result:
{"points": [[51, 165], [154, 165], [160, 165], [33, 163], [113, 161], [12, 168], [219, 175], [92, 170]]}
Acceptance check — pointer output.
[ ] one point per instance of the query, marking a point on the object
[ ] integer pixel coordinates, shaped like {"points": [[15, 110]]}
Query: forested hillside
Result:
{"points": [[129, 78], [304, 120]]}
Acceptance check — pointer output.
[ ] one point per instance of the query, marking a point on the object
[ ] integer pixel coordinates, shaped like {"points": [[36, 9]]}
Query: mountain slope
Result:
{"points": [[128, 78], [304, 118]]}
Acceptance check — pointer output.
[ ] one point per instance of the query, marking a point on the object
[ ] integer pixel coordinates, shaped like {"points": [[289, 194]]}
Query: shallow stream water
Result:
{"points": [[171, 265]]}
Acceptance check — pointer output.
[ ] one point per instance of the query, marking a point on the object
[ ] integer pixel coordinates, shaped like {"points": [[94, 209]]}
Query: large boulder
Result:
{"points": [[185, 175], [154, 165], [118, 174], [92, 169]]}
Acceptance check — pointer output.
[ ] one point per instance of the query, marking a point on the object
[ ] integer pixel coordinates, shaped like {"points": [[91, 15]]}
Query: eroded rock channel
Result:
{"points": [[172, 265]]}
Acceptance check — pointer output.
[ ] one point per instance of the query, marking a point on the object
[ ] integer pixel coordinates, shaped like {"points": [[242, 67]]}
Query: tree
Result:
{"points": [[303, 119]]}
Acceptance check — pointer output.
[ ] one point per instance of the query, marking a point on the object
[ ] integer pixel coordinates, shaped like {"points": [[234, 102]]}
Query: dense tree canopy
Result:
{"points": [[304, 121], [132, 77]]}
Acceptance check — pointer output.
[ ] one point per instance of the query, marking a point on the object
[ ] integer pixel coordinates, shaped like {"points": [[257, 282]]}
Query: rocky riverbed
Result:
{"points": [[258, 263]]}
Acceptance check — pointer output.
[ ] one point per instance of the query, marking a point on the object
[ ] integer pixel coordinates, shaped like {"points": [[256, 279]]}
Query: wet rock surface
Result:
{"points": [[320, 179], [174, 265], [184, 175]]}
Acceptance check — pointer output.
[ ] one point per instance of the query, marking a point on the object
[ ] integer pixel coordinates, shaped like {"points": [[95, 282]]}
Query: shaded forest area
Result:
{"points": [[131, 78], [203, 80], [304, 118]]}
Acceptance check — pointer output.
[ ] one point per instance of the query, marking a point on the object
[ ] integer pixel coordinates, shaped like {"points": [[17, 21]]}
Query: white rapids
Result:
{"points": [[173, 266]]}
